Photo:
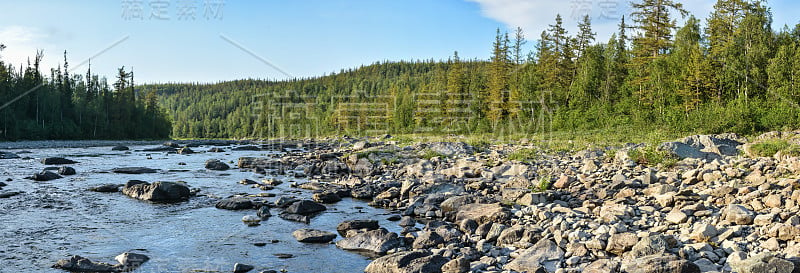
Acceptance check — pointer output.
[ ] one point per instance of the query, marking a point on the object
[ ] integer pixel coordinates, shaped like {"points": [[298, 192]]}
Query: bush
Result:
{"points": [[523, 155], [769, 148], [650, 155]]}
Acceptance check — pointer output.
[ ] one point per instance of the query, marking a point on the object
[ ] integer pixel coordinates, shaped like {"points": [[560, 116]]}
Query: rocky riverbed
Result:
{"points": [[434, 207]]}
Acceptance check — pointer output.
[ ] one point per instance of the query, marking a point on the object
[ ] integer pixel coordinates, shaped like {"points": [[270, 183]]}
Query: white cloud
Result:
{"points": [[534, 16], [22, 42]]}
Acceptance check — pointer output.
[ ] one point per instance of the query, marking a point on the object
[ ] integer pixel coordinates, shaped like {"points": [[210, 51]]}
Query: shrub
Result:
{"points": [[650, 155]]}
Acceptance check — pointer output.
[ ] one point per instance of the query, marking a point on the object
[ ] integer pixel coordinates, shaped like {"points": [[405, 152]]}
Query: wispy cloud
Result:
{"points": [[534, 16], [22, 42]]}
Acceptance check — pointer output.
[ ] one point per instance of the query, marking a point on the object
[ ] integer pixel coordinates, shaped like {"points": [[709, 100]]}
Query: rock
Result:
{"points": [[57, 161], [235, 203], [166, 192], [602, 266], [7, 155], [295, 217], [704, 232], [326, 197], [216, 150], [708, 147], [343, 227], [130, 261], [676, 217], [378, 241], [427, 240], [661, 263], [64, 170], [407, 221], [45, 176], [544, 254], [185, 151], [763, 263], [482, 213], [459, 265], [738, 214], [251, 220], [120, 148], [133, 170], [653, 244], [242, 268], [450, 149], [216, 165], [283, 255], [621, 242], [81, 264], [106, 188], [305, 207], [263, 212], [418, 261], [313, 236]]}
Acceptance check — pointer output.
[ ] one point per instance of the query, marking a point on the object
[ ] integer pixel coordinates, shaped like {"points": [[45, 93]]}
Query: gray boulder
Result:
{"points": [[120, 148], [163, 192], [64, 170], [305, 207], [216, 165], [80, 264], [377, 241], [704, 146], [544, 254], [45, 176], [106, 188], [236, 203], [343, 227], [419, 261], [660, 263], [313, 236], [57, 161]]}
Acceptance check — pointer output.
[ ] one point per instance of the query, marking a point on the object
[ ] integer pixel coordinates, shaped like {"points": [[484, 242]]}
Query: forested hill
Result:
{"points": [[66, 105], [732, 73]]}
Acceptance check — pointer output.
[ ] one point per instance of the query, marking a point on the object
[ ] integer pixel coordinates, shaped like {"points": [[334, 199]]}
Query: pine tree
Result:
{"points": [[497, 84], [585, 36]]}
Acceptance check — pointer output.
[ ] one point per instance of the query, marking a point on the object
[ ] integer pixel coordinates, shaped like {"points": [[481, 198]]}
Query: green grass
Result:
{"points": [[769, 148], [524, 155], [543, 185], [428, 154], [650, 155]]}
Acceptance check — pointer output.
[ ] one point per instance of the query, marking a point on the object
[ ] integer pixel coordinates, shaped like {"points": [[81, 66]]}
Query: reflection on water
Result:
{"points": [[55, 219]]}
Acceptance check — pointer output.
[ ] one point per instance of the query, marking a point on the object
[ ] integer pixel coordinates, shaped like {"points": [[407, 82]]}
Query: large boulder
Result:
{"points": [[482, 213], [313, 236], [343, 227], [163, 192], [133, 170], [738, 214], [120, 148], [544, 254], [660, 263], [216, 165], [377, 241], [419, 261], [57, 161], [763, 263], [235, 203], [451, 148], [704, 146], [65, 170], [45, 176], [80, 264], [305, 207]]}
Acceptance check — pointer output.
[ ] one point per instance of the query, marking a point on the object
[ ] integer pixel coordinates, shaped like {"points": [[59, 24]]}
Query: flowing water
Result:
{"points": [[59, 218]]}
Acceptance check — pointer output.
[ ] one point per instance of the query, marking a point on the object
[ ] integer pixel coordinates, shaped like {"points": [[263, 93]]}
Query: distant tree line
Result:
{"points": [[63, 105], [736, 74]]}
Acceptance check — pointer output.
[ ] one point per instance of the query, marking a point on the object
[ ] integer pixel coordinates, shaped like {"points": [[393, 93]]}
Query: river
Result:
{"points": [[56, 219]]}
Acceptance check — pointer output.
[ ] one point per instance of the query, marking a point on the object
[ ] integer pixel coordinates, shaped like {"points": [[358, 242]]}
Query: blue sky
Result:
{"points": [[234, 39]]}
